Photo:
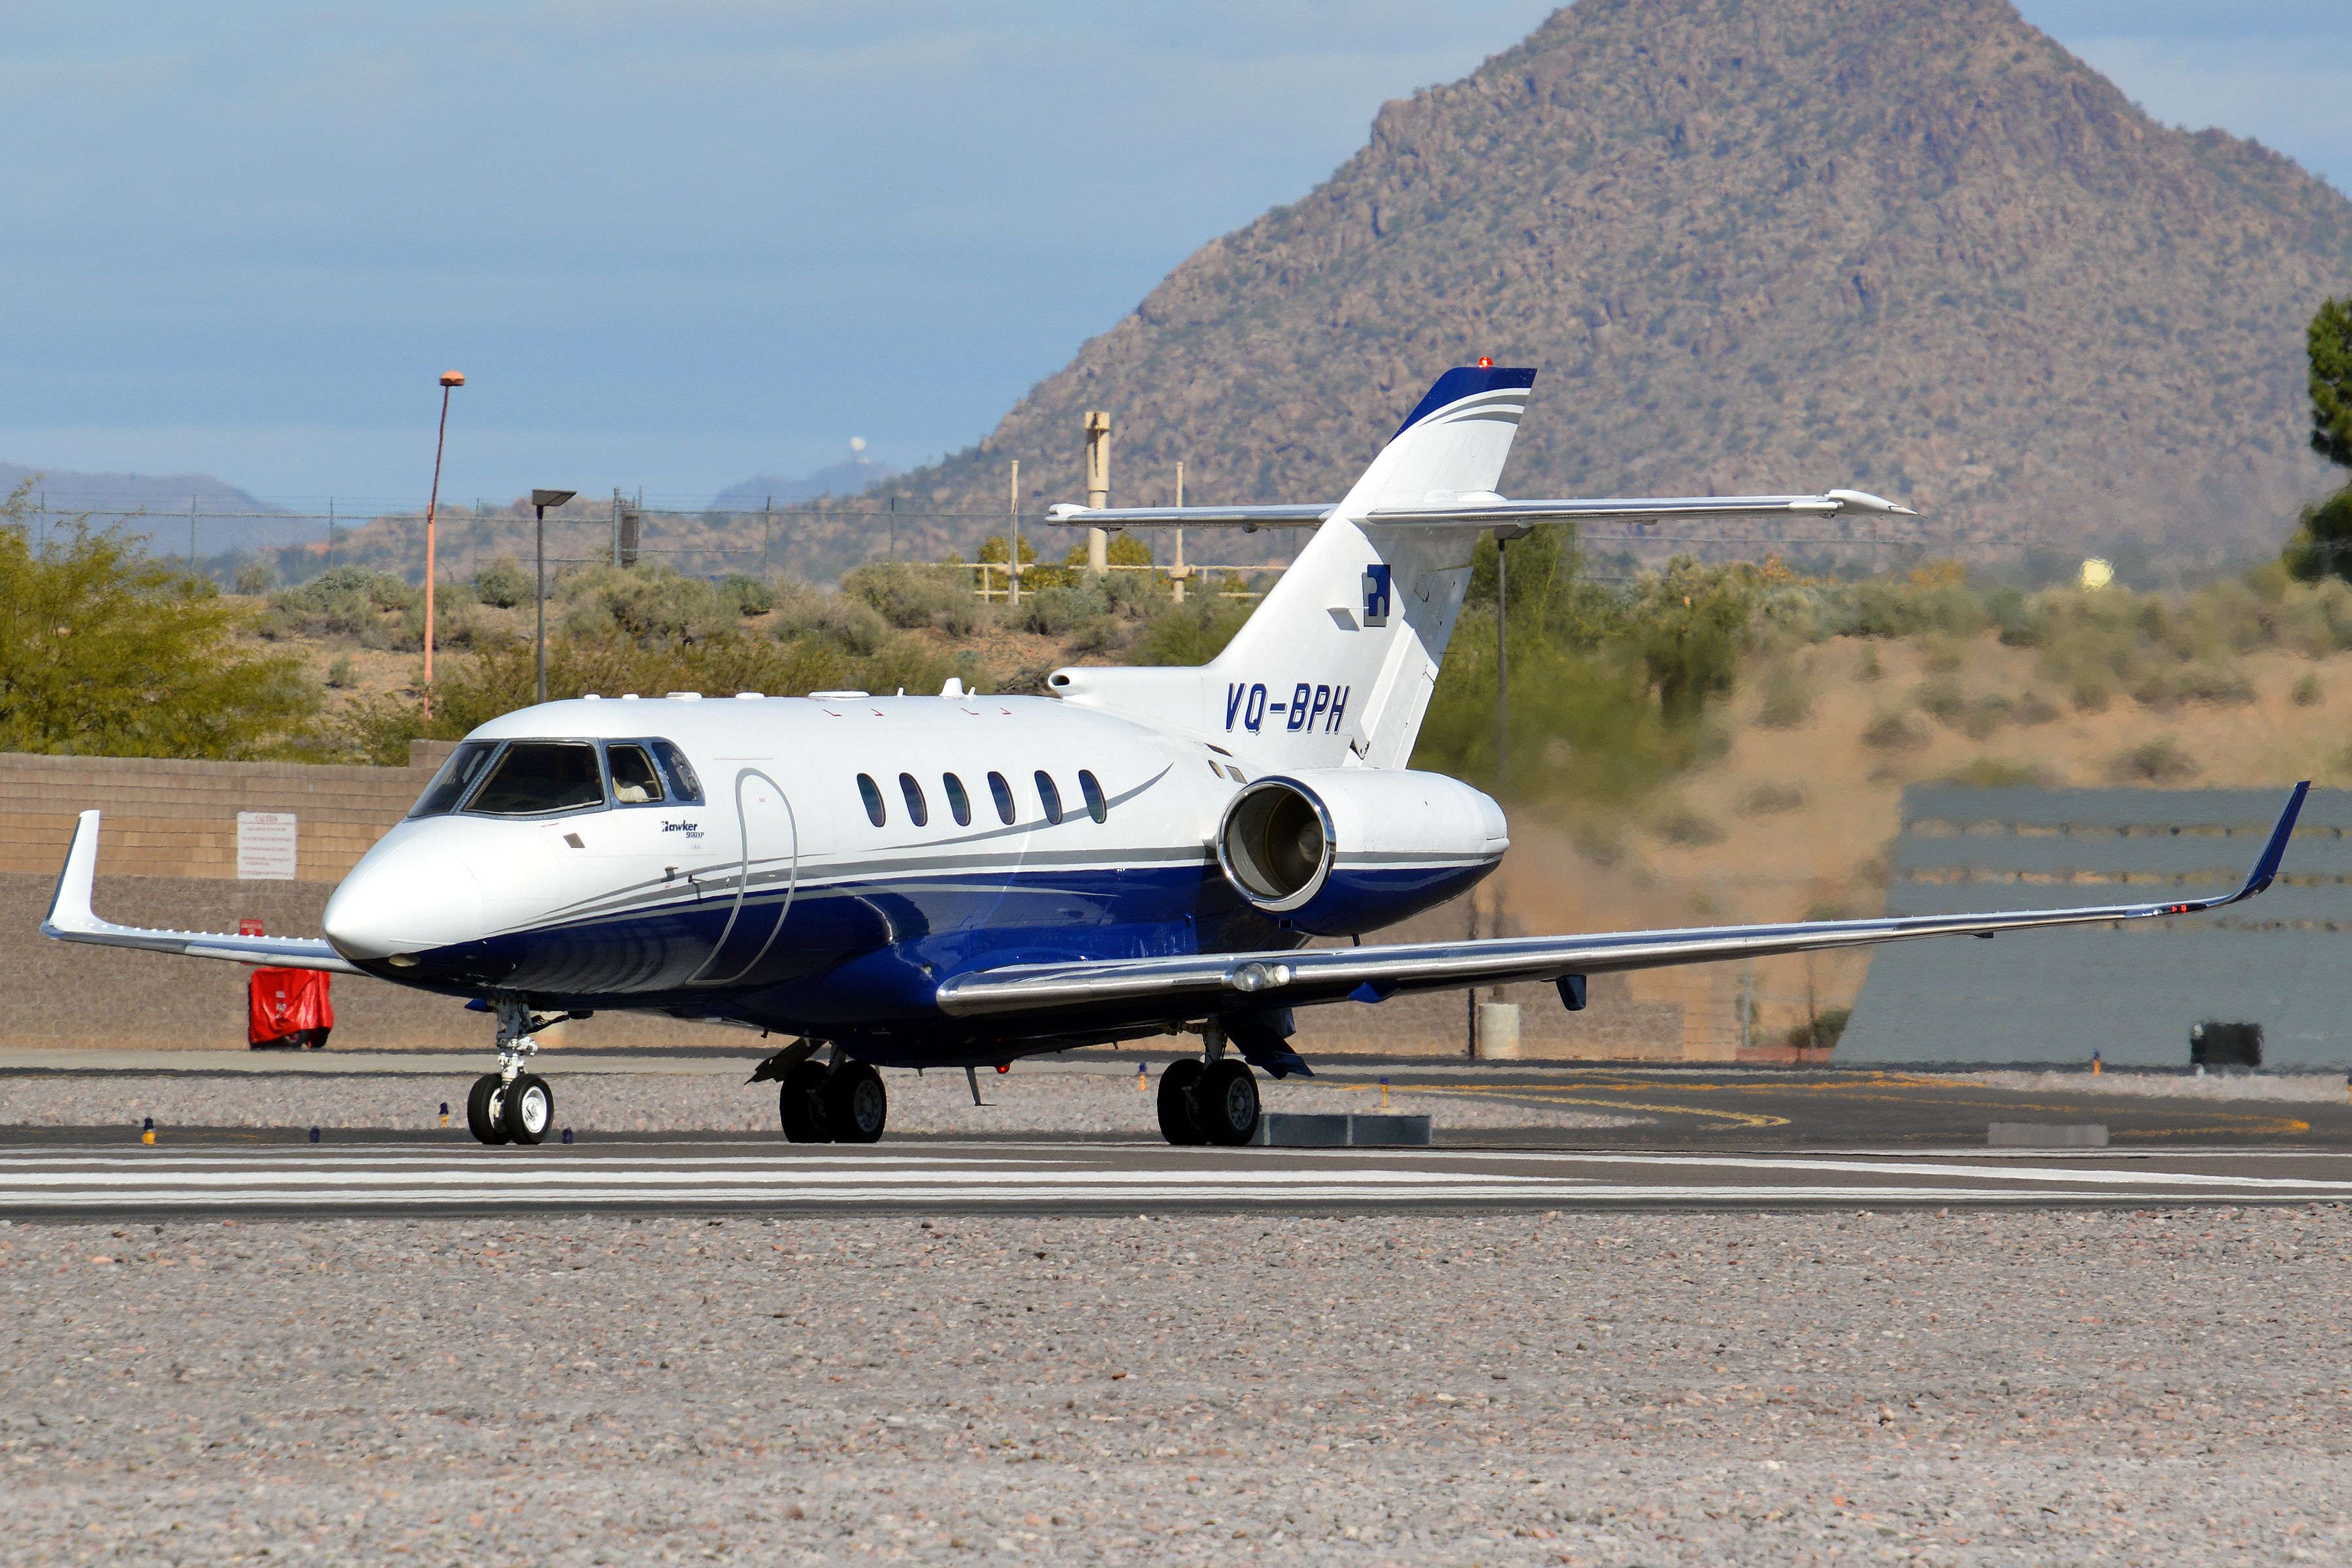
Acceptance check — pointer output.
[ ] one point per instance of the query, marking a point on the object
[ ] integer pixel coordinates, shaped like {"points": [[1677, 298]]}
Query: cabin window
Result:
{"points": [[873, 795], [1096, 807], [1048, 796], [1003, 794], [914, 794], [635, 780], [958, 802], [458, 775], [535, 776], [685, 787]]}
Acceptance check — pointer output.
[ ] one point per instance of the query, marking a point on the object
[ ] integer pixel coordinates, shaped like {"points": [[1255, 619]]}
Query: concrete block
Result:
{"points": [[1498, 1031], [2046, 1135], [1290, 1130], [1333, 1130], [1375, 1130]]}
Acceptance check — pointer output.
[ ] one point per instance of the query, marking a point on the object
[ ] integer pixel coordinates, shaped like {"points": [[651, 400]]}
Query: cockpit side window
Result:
{"points": [[685, 787], [535, 776], [635, 780], [458, 775]]}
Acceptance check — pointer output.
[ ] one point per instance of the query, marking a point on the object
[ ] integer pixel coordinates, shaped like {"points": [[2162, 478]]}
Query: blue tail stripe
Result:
{"points": [[1465, 381]]}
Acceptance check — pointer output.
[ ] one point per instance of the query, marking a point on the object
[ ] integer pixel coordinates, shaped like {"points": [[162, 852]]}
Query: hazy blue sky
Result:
{"points": [[677, 242]]}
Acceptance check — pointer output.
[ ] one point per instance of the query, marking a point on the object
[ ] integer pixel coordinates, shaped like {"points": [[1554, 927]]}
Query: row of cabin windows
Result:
{"points": [[919, 806]]}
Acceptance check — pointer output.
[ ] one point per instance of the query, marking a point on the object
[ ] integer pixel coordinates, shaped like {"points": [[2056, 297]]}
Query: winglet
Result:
{"points": [[2266, 869], [69, 908]]}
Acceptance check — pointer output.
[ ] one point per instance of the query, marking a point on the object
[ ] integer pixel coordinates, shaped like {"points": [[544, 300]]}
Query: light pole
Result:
{"points": [[540, 502], [450, 380]]}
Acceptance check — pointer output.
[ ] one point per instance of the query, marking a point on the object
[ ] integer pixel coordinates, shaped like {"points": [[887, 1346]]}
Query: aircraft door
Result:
{"points": [[765, 879]]}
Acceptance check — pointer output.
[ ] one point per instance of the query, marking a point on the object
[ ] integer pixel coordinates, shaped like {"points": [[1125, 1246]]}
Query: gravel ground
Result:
{"points": [[674, 1102], [1662, 1389], [2305, 1088]]}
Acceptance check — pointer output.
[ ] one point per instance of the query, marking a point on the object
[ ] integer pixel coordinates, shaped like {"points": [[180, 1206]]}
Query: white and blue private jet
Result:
{"points": [[961, 881]]}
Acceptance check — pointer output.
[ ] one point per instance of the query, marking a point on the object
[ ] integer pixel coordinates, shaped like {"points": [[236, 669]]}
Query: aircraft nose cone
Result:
{"points": [[410, 902]]}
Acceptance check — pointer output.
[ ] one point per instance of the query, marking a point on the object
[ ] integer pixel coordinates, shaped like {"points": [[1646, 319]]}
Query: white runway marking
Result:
{"points": [[360, 1179]]}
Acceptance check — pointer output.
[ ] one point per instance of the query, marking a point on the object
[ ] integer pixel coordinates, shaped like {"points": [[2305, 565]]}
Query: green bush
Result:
{"points": [[503, 583], [750, 595], [906, 595]]}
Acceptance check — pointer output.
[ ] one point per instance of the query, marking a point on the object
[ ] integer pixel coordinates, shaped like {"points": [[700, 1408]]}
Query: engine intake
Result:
{"points": [[1341, 850]]}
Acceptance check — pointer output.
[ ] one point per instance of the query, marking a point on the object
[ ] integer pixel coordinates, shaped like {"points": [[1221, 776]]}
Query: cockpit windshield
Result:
{"points": [[534, 776], [456, 776]]}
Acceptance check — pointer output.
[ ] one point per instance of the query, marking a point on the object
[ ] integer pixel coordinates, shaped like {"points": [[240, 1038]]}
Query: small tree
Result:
{"points": [[2322, 546], [107, 653]]}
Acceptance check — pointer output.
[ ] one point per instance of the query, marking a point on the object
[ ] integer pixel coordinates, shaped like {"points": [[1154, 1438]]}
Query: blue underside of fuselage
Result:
{"points": [[861, 963]]}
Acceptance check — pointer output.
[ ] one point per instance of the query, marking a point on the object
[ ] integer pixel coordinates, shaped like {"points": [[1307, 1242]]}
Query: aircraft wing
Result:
{"points": [[1306, 975], [71, 919], [1483, 511]]}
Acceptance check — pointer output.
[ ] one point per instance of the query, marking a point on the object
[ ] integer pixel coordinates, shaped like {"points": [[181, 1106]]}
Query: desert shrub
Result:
{"points": [[2157, 762], [1772, 800], [503, 583], [1994, 773], [1894, 731], [646, 604], [1690, 829], [905, 595], [2307, 692], [750, 595], [1822, 1031], [1867, 666], [254, 578], [1788, 698], [343, 675], [1060, 612], [2033, 708], [1193, 631], [1984, 715], [1941, 700]]}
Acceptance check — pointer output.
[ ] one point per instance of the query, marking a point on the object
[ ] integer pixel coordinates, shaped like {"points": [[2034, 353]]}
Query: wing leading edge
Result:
{"points": [[71, 919], [1374, 973]]}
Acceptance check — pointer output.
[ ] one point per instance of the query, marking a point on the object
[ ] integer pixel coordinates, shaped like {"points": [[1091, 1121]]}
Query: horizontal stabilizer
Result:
{"points": [[71, 919], [1486, 511]]}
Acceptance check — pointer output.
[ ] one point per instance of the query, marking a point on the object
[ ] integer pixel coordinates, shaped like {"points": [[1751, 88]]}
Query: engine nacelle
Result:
{"points": [[1339, 850]]}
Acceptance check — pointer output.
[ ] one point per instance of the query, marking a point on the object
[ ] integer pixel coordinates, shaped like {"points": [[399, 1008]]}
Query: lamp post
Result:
{"points": [[540, 502], [450, 380]]}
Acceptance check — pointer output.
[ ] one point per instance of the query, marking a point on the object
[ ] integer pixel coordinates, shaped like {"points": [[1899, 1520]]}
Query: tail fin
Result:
{"points": [[1335, 666]]}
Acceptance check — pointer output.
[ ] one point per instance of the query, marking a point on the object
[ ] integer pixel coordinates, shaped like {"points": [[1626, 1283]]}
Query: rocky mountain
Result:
{"points": [[846, 478], [1908, 244], [151, 503]]}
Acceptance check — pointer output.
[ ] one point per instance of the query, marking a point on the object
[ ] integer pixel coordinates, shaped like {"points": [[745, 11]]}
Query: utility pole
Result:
{"points": [[450, 379], [191, 536], [768, 535], [894, 528], [1012, 571], [1098, 429], [540, 502], [1178, 575], [330, 530]]}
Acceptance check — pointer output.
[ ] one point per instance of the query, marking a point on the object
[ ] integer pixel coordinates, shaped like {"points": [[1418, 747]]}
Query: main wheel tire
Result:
{"points": [[1228, 1100], [800, 1104], [482, 1108], [856, 1104], [527, 1109], [1180, 1112]]}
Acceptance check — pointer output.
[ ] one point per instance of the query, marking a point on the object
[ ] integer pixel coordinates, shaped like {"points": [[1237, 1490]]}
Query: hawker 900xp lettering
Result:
{"points": [[1310, 708]]}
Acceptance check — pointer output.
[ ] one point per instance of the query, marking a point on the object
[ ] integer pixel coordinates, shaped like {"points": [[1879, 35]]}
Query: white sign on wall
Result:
{"points": [[265, 845]]}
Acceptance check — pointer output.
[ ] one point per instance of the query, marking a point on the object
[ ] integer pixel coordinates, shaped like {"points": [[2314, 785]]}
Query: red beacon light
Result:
{"points": [[1485, 363]]}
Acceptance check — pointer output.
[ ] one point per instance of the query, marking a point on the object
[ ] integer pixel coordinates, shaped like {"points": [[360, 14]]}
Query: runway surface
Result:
{"points": [[143, 1183]]}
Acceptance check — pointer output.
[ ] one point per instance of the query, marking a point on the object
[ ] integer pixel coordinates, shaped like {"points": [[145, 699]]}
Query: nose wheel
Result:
{"points": [[511, 1105]]}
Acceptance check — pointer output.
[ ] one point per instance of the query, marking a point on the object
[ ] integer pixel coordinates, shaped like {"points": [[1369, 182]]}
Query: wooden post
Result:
{"points": [[1178, 574]]}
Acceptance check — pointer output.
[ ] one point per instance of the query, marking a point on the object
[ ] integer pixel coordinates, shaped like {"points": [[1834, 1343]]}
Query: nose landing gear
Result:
{"points": [[511, 1105]]}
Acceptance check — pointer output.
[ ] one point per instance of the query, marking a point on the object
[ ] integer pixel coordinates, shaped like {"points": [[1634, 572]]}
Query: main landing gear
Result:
{"points": [[842, 1101], [511, 1105], [1211, 1100]]}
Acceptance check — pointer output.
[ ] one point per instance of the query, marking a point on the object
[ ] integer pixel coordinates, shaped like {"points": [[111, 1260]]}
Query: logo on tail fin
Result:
{"points": [[1377, 580]]}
